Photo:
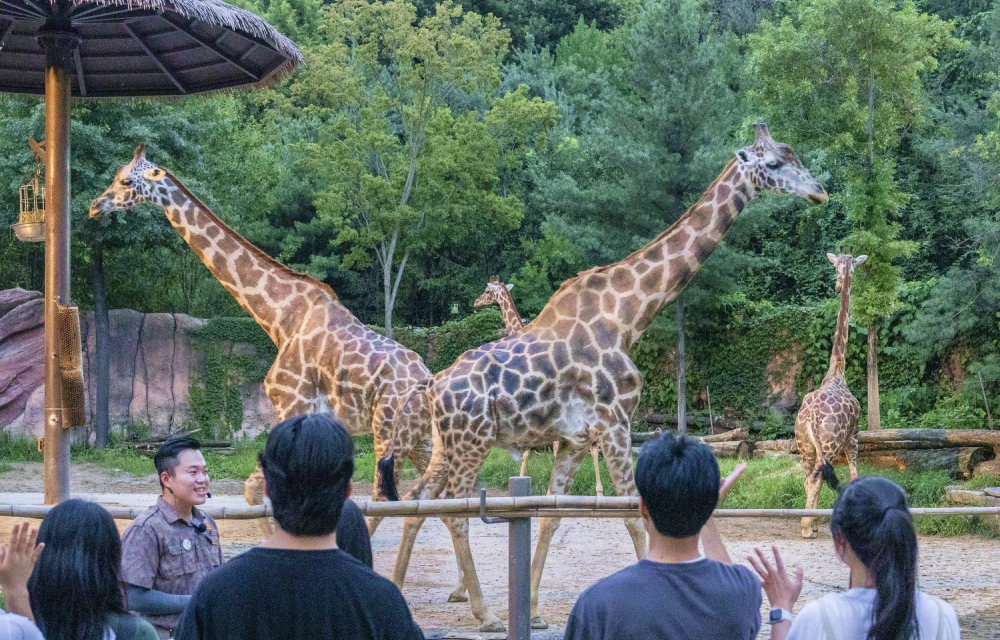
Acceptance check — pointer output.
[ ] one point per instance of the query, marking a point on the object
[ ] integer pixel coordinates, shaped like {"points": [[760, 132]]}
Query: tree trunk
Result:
{"points": [[102, 352], [874, 415], [387, 287], [681, 386]]}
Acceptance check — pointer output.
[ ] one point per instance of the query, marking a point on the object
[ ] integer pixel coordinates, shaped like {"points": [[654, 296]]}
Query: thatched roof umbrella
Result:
{"points": [[116, 48]]}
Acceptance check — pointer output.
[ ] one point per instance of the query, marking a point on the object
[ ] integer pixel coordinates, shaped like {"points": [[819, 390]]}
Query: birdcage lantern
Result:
{"points": [[30, 225]]}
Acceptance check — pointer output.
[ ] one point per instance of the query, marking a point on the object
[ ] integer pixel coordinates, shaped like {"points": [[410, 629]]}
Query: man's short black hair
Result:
{"points": [[166, 457], [308, 463], [678, 479]]}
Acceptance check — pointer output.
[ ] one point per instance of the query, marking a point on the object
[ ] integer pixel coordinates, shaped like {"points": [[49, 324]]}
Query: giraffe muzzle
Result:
{"points": [[98, 208]]}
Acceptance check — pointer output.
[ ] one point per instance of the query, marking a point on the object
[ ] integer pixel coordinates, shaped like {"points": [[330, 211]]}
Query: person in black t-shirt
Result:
{"points": [[298, 584], [676, 592]]}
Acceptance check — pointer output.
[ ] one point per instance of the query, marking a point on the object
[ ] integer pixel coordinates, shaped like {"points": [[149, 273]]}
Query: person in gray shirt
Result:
{"points": [[677, 592]]}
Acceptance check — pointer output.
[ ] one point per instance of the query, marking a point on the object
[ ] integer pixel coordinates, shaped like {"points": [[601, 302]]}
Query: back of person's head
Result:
{"points": [[678, 479], [872, 517], [308, 463], [167, 455], [75, 583]]}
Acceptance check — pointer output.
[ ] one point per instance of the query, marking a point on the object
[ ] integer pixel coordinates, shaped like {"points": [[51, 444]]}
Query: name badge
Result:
{"points": [[186, 544]]}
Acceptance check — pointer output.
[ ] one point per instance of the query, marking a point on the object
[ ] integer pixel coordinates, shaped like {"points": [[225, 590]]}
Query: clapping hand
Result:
{"points": [[782, 591]]}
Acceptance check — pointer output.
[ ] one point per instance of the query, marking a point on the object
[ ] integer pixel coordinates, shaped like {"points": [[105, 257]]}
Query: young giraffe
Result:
{"points": [[567, 375], [498, 293], [327, 359], [826, 427]]}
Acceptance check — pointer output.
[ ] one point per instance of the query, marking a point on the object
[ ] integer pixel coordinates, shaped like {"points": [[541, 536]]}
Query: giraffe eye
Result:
{"points": [[127, 182], [774, 164]]}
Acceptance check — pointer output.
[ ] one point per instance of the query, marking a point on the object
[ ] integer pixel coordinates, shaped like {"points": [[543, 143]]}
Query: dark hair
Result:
{"points": [[678, 479], [76, 581], [167, 455], [308, 463], [872, 516]]}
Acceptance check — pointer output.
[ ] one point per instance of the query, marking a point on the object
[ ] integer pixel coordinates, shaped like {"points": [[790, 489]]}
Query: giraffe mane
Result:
{"points": [[246, 244]]}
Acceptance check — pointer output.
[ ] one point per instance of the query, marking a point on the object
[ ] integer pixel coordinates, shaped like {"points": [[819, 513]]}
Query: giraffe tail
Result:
{"points": [[387, 465], [829, 475]]}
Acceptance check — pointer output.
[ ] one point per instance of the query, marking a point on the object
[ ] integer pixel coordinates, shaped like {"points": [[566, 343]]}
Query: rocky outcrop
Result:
{"points": [[153, 366]]}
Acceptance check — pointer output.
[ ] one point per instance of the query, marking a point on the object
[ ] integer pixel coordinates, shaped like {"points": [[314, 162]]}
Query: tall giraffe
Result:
{"points": [[826, 427], [498, 293], [567, 375], [327, 359]]}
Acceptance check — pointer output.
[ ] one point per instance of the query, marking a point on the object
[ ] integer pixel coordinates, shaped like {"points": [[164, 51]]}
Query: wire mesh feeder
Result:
{"points": [[30, 225]]}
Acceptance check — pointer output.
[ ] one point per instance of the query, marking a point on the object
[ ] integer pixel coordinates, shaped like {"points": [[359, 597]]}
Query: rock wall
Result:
{"points": [[152, 368]]}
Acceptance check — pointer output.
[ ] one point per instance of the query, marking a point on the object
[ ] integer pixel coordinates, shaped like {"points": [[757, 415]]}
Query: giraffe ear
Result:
{"points": [[154, 175], [832, 258], [140, 152], [859, 260], [510, 286]]}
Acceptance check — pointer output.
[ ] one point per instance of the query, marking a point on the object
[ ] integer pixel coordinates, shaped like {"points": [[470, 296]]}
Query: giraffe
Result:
{"points": [[327, 359], [826, 427], [567, 375], [498, 293]]}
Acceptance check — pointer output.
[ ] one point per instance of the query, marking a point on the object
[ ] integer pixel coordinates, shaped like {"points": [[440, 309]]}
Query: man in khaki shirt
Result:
{"points": [[168, 549]]}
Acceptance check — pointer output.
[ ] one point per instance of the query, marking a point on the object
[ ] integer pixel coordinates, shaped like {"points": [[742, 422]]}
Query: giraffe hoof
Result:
{"points": [[457, 596], [539, 623], [493, 627], [808, 534]]}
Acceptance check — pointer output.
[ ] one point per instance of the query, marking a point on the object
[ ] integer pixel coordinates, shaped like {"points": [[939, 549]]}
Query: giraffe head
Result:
{"points": [[495, 290], [845, 264], [773, 166], [137, 182]]}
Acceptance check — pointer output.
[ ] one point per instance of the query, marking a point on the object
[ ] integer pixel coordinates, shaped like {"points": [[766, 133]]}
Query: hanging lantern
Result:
{"points": [[30, 225], [454, 308]]}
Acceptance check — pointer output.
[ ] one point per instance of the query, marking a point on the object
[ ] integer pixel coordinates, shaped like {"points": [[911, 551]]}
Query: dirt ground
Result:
{"points": [[965, 571]]}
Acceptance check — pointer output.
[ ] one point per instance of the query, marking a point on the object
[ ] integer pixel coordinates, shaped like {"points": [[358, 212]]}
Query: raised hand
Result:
{"points": [[782, 591], [17, 561], [730, 480]]}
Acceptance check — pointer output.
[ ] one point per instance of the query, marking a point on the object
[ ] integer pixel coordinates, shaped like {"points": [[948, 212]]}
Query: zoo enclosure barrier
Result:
{"points": [[517, 510]]}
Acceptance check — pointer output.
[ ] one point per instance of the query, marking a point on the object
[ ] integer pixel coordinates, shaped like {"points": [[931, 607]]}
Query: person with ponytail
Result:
{"points": [[873, 535], [75, 589]]}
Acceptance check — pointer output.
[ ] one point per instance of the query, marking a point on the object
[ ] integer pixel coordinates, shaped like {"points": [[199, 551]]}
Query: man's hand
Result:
{"points": [[730, 480], [782, 591], [17, 561]]}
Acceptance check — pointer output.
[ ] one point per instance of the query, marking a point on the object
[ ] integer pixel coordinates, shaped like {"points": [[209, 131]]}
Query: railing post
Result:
{"points": [[519, 567]]}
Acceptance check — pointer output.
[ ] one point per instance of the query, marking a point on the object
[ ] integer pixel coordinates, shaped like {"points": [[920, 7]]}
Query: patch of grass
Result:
{"points": [[5, 467], [18, 449]]}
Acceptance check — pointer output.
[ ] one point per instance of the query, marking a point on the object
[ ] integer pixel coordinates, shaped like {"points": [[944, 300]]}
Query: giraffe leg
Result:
{"points": [[429, 487], [459, 528], [814, 482], [619, 462], [563, 470], [594, 451], [253, 491], [524, 461]]}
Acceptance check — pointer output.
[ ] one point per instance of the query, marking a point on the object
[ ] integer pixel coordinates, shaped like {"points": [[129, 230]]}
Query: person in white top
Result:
{"points": [[17, 560], [873, 535]]}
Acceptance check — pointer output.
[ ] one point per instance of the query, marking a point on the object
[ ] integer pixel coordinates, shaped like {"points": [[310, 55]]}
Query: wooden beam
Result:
{"points": [[149, 52], [80, 82], [212, 47]]}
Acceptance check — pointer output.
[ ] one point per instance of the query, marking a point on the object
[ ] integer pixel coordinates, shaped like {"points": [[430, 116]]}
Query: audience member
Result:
{"points": [[17, 559], [298, 584], [173, 545], [676, 592], [873, 535], [352, 534], [75, 589]]}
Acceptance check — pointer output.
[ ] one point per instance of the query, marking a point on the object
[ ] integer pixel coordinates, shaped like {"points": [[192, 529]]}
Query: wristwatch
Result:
{"points": [[779, 615]]}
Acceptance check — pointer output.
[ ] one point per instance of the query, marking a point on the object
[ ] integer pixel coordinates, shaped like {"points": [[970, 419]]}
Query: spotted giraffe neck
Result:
{"points": [[838, 355], [271, 293], [511, 318], [631, 292]]}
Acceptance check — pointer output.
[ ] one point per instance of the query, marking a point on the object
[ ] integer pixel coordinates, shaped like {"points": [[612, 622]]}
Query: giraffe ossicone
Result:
{"points": [[567, 375], [327, 359], [826, 427]]}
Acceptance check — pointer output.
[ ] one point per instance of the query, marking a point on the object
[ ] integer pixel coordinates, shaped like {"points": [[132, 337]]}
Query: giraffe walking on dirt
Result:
{"points": [[567, 376], [498, 293], [826, 427], [327, 359]]}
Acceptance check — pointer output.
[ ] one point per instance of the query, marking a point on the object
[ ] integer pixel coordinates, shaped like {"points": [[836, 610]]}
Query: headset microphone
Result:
{"points": [[208, 495]]}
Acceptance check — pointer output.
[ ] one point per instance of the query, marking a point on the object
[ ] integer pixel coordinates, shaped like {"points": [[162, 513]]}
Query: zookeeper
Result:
{"points": [[168, 549]]}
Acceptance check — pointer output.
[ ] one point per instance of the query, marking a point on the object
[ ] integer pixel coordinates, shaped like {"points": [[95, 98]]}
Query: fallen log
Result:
{"points": [[944, 437], [959, 462], [729, 436], [738, 449], [779, 446]]}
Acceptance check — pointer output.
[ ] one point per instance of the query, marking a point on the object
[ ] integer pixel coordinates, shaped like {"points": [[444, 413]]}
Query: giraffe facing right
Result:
{"points": [[498, 293], [826, 427]]}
